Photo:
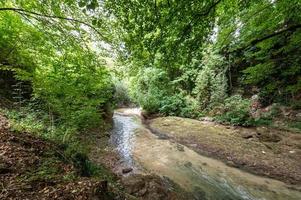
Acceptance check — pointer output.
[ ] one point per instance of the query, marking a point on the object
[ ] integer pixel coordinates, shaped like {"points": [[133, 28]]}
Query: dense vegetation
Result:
{"points": [[65, 65], [189, 58], [59, 58], [184, 58], [54, 84]]}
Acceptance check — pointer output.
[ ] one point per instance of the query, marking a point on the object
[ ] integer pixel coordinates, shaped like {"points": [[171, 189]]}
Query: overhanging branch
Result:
{"points": [[292, 28], [29, 13]]}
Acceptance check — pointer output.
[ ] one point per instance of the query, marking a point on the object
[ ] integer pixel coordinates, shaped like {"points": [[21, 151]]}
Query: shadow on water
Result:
{"points": [[203, 177]]}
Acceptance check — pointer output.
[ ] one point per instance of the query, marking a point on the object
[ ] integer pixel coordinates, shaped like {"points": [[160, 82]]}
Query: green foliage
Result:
{"points": [[182, 57], [25, 121], [68, 75], [180, 105], [211, 83], [48, 170], [237, 111], [121, 94], [262, 38], [149, 88], [172, 105], [295, 125], [38, 122], [71, 151], [207, 51], [72, 92]]}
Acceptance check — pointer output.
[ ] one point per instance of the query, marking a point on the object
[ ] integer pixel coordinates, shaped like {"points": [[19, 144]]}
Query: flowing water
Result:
{"points": [[203, 177]]}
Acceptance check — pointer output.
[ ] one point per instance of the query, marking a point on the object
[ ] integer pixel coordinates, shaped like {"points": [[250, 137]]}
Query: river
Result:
{"points": [[203, 177]]}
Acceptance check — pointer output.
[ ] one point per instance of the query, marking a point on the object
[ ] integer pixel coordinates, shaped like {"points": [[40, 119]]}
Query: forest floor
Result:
{"points": [[34, 168], [263, 151]]}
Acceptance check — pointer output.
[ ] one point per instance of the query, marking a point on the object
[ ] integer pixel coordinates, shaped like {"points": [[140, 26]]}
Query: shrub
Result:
{"points": [[121, 95], [25, 120], [149, 88], [172, 105], [180, 105], [76, 93], [237, 111], [191, 108]]}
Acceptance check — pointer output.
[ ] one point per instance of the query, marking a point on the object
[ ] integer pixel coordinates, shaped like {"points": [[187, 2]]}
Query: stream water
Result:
{"points": [[203, 177]]}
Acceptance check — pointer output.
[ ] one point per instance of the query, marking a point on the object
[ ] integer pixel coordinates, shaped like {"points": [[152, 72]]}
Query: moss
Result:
{"points": [[295, 125]]}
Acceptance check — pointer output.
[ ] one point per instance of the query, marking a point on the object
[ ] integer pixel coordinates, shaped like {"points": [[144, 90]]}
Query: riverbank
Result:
{"points": [[202, 177], [269, 152], [35, 168]]}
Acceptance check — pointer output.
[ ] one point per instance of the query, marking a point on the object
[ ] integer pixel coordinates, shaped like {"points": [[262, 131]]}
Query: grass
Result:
{"points": [[73, 151]]}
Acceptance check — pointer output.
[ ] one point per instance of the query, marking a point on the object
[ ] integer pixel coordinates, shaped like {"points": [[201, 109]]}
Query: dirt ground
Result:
{"points": [[269, 152], [32, 168]]}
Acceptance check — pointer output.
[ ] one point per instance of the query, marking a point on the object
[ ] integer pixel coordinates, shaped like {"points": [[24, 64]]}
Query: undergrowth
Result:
{"points": [[71, 150]]}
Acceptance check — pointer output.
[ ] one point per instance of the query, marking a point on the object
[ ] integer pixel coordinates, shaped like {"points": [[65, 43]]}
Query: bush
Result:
{"points": [[75, 93], [121, 95], [25, 120], [236, 111], [172, 105], [149, 88], [180, 105]]}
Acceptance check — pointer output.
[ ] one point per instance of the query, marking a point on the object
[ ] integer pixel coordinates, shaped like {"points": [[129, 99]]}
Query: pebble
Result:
{"points": [[127, 170]]}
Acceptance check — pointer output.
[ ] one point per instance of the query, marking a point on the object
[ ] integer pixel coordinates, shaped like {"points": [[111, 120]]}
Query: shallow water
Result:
{"points": [[204, 177]]}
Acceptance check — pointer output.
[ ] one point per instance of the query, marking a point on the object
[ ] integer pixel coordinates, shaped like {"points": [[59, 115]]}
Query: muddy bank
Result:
{"points": [[269, 152]]}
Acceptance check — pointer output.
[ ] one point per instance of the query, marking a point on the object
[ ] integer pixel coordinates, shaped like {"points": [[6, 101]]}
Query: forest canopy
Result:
{"points": [[186, 58], [54, 47]]}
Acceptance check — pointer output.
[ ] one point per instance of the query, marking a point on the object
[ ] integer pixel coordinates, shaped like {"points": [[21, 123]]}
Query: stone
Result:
{"points": [[188, 164], [127, 170], [146, 187], [180, 147], [247, 134], [206, 119], [230, 163]]}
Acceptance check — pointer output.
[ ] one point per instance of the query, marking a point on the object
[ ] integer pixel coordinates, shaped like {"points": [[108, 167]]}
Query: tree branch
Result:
{"points": [[278, 32], [209, 9], [258, 40], [20, 11]]}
